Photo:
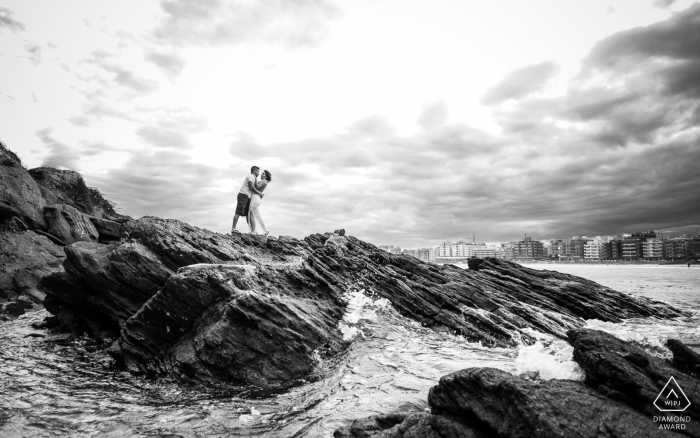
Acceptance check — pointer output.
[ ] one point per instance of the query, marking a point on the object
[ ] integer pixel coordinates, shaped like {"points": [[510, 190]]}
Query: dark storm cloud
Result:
{"points": [[7, 22], [520, 83], [59, 154], [171, 64], [216, 22]]}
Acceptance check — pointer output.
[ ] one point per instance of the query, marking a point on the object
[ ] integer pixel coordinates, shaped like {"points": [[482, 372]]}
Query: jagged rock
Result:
{"points": [[51, 237], [491, 403], [68, 187], [513, 407], [107, 229], [25, 258], [109, 280], [684, 358], [130, 282], [624, 371], [69, 224], [227, 322], [19, 193]]}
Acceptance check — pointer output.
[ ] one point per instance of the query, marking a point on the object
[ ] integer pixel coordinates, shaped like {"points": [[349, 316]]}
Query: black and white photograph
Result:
{"points": [[350, 218]]}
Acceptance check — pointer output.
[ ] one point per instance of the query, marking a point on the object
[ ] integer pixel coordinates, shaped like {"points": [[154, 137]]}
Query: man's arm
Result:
{"points": [[252, 188]]}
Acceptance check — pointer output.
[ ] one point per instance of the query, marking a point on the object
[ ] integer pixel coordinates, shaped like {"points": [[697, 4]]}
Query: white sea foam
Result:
{"points": [[359, 307], [553, 361]]}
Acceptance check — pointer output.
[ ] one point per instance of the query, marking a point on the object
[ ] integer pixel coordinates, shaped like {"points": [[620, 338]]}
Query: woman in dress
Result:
{"points": [[254, 219]]}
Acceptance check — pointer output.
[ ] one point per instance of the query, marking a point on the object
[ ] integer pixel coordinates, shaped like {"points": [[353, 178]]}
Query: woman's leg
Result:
{"points": [[257, 218], [251, 219]]}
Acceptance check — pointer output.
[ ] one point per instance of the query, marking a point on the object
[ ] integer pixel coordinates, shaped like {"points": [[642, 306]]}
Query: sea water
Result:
{"points": [[48, 389]]}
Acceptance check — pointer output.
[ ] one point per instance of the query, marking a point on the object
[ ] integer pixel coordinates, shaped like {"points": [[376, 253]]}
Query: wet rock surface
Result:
{"points": [[26, 257], [615, 400], [624, 371]]}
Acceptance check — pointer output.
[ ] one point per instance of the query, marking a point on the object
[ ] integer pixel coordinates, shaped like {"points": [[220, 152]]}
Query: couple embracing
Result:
{"points": [[249, 200]]}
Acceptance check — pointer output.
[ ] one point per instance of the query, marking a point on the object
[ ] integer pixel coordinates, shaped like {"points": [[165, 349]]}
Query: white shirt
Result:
{"points": [[245, 189]]}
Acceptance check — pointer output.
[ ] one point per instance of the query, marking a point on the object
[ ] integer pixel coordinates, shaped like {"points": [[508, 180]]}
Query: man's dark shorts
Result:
{"points": [[243, 204]]}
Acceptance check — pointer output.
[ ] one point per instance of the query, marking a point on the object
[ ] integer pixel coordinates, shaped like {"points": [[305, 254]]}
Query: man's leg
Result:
{"points": [[235, 221]]}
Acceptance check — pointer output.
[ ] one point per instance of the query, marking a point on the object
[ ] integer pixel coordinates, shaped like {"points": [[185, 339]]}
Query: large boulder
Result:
{"points": [[487, 402], [69, 224], [227, 322], [25, 258], [134, 281], [107, 229], [624, 371], [20, 195]]}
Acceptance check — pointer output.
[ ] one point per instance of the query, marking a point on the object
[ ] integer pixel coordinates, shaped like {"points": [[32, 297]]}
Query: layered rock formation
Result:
{"points": [[256, 310], [614, 401], [52, 203], [25, 258]]}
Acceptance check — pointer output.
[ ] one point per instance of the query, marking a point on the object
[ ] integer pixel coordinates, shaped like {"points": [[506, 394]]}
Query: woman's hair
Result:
{"points": [[268, 175]]}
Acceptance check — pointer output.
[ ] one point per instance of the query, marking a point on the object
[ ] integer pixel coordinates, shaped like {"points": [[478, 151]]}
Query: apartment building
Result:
{"points": [[528, 249], [573, 250], [459, 249], [597, 249], [652, 248], [631, 249]]}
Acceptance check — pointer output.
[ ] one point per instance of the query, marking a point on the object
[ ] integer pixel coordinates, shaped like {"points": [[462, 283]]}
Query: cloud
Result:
{"points": [[674, 39], [433, 115], [60, 155], [663, 4], [520, 83], [616, 151], [79, 121], [171, 64], [120, 75], [163, 137], [272, 22], [7, 22], [34, 53], [166, 184]]}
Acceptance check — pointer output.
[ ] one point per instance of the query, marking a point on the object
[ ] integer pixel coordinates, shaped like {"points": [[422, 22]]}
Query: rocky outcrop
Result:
{"points": [[614, 400], [228, 323], [175, 319], [69, 224], [20, 195], [68, 187], [25, 258], [624, 371], [108, 230]]}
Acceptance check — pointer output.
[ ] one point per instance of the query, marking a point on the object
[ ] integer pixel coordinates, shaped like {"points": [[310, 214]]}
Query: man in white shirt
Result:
{"points": [[244, 195]]}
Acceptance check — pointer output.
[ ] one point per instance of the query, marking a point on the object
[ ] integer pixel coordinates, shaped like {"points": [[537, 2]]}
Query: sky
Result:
{"points": [[404, 122]]}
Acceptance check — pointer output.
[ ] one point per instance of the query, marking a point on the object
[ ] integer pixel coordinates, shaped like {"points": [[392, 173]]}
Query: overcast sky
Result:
{"points": [[404, 122]]}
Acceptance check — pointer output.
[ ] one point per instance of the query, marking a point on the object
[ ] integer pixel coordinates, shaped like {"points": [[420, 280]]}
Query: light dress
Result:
{"points": [[254, 214]]}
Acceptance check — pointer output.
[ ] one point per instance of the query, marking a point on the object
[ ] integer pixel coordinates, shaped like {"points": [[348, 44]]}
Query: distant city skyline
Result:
{"points": [[398, 120]]}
